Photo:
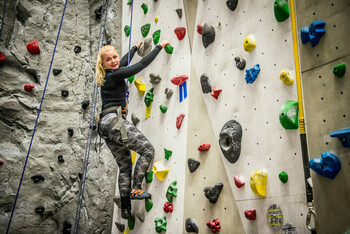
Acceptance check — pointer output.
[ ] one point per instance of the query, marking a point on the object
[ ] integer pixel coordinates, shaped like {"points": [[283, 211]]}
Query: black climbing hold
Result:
{"points": [[56, 72], [155, 79], [120, 226], [213, 193], [40, 210], [193, 164], [67, 227], [70, 131], [93, 127], [230, 140], [169, 93], [134, 119], [64, 93], [77, 49], [98, 13], [191, 225], [60, 158], [37, 178], [232, 4], [80, 175], [117, 201], [240, 63], [141, 217], [208, 35], [85, 104], [179, 13], [206, 87], [155, 0]]}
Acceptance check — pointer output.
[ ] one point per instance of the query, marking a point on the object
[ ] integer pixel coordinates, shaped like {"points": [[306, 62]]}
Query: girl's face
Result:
{"points": [[110, 59]]}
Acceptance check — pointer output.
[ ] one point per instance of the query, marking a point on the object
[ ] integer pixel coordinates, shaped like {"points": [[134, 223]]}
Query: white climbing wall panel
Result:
{"points": [[265, 143], [160, 128]]}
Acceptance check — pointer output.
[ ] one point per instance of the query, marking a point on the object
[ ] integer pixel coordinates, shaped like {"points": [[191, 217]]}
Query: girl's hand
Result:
{"points": [[164, 43], [139, 44]]}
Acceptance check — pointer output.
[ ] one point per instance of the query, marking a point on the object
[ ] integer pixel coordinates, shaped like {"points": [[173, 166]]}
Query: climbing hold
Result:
{"points": [[167, 153], [149, 97], [64, 93], [171, 191], [339, 70], [239, 182], [98, 13], [179, 80], [191, 225], [148, 204], [159, 170], [85, 104], [204, 147], [240, 63], [40, 210], [193, 164], [134, 119], [37, 178], [289, 115], [117, 201], [149, 176], [148, 111], [127, 30], [258, 181], [328, 165], [206, 87], [131, 79], [163, 109], [156, 36], [145, 29], [131, 222], [252, 73], [60, 159], [160, 224], [286, 77], [283, 177], [180, 32], [214, 225], [313, 33], [179, 13], [215, 92], [179, 120], [289, 228], [281, 10], [67, 227], [343, 135], [274, 216], [155, 79], [2, 162], [232, 4], [168, 207], [56, 72], [127, 230], [169, 49], [129, 2], [156, 19], [250, 214], [230, 140], [29, 87], [2, 57], [213, 193], [140, 85], [70, 131], [249, 43], [145, 47], [144, 8], [77, 49], [141, 217], [208, 35], [120, 226], [169, 93], [33, 47], [200, 29]]}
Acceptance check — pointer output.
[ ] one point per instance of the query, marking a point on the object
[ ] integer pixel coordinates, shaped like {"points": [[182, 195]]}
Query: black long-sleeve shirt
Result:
{"points": [[114, 89]]}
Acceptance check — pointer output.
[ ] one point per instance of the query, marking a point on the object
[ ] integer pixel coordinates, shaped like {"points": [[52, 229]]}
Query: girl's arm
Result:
{"points": [[124, 61]]}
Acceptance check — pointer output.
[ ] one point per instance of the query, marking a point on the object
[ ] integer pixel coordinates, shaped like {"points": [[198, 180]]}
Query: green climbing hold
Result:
{"points": [[149, 97], [131, 222], [281, 10], [129, 2], [149, 176], [148, 204], [339, 70], [167, 153], [172, 191], [144, 8], [145, 29], [169, 49], [131, 78], [163, 108], [127, 30], [160, 224], [289, 115], [283, 177], [156, 36]]}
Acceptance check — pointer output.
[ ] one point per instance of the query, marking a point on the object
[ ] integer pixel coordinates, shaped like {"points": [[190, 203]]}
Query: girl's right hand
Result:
{"points": [[164, 43]]}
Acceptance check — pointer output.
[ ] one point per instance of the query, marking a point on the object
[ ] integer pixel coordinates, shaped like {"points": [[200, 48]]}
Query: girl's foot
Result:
{"points": [[139, 194]]}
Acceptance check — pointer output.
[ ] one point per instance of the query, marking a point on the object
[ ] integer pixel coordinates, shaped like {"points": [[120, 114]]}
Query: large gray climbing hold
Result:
{"points": [[141, 217], [232, 4], [206, 87], [120, 226], [213, 193], [191, 225], [193, 164], [117, 201], [230, 140], [240, 63], [208, 35], [169, 93], [145, 47], [179, 12], [134, 119], [155, 79]]}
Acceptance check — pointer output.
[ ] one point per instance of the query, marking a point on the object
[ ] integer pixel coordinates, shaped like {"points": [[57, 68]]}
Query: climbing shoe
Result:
{"points": [[126, 213], [139, 194]]}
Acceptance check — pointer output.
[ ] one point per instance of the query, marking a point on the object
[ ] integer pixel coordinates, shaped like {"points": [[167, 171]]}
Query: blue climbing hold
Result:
{"points": [[252, 73], [343, 135], [328, 165], [313, 33]]}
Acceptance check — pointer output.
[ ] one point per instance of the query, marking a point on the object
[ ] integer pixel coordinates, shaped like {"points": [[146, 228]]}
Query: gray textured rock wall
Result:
{"points": [[28, 20]]}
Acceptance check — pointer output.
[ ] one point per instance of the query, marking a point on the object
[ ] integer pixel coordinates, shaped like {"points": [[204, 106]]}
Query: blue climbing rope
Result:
{"points": [[127, 83], [36, 121], [2, 19]]}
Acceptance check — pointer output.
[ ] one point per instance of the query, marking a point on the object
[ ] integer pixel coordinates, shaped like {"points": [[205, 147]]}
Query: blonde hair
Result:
{"points": [[100, 69]]}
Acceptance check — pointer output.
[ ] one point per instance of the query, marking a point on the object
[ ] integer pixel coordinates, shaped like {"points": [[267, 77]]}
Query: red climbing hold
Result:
{"points": [[214, 225], [2, 57], [204, 147], [250, 214], [33, 47], [168, 207], [200, 29], [179, 120], [29, 87], [215, 92], [180, 32], [239, 181], [2, 161], [178, 80]]}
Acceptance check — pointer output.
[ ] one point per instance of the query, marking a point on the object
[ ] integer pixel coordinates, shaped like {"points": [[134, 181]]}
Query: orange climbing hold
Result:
{"points": [[33, 47], [29, 87], [215, 92], [180, 32]]}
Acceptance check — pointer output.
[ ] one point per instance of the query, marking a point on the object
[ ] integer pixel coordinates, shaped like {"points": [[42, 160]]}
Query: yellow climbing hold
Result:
{"points": [[249, 43], [140, 85], [159, 170], [133, 156], [127, 230], [156, 19], [258, 181], [148, 111], [286, 77]]}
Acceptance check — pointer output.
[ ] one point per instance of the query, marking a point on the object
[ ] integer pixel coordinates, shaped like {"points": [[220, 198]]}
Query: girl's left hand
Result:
{"points": [[139, 44]]}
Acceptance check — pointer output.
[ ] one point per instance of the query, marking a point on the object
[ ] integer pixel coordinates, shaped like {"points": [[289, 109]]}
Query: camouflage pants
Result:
{"points": [[121, 152]]}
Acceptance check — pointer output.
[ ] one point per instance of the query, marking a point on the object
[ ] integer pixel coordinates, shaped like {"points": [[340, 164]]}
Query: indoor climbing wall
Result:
{"points": [[326, 99], [160, 128]]}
